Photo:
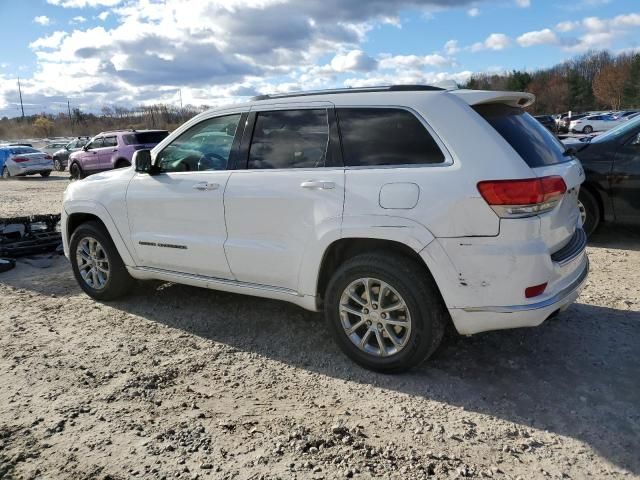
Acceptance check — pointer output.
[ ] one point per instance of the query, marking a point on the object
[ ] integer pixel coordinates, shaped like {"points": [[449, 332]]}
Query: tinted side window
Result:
{"points": [[110, 142], [97, 143], [290, 139], [385, 136], [205, 146]]}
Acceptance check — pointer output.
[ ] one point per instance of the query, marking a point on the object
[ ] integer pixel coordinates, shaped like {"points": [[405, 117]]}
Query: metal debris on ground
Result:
{"points": [[30, 235]]}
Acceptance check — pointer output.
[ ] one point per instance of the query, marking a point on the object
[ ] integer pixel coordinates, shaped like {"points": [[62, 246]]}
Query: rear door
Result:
{"points": [[291, 192], [176, 217], [544, 154], [108, 150]]}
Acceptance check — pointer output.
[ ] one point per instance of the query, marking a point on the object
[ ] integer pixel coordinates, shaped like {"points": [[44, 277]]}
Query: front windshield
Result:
{"points": [[619, 131]]}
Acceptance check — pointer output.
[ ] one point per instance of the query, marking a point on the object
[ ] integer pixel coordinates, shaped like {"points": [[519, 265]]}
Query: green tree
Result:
{"points": [[631, 97]]}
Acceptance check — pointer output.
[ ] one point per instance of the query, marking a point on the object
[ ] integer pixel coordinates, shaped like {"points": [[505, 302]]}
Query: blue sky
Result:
{"points": [[105, 52]]}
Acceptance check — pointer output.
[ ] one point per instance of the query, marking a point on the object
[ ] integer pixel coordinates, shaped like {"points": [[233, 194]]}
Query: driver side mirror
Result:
{"points": [[142, 162]]}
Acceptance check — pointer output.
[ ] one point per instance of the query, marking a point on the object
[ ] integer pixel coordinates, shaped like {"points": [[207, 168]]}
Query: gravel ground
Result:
{"points": [[180, 382]]}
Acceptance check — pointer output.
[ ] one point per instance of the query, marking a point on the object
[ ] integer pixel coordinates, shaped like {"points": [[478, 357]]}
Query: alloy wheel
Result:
{"points": [[93, 263], [375, 317], [583, 213]]}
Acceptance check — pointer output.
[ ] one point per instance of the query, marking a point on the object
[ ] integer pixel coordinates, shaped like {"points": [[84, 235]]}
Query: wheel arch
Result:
{"points": [[343, 249], [121, 160], [79, 214], [602, 200]]}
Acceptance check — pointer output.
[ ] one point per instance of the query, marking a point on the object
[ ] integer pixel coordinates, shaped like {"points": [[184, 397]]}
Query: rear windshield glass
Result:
{"points": [[144, 137], [19, 150], [533, 142]]}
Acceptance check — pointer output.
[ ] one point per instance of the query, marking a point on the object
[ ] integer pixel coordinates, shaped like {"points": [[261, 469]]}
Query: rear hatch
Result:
{"points": [[546, 157]]}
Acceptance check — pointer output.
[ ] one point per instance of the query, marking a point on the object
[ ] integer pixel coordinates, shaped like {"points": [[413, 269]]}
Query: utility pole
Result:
{"points": [[180, 91], [20, 92], [70, 119]]}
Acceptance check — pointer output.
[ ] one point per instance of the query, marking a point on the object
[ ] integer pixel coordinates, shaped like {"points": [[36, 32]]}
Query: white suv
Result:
{"points": [[396, 210]]}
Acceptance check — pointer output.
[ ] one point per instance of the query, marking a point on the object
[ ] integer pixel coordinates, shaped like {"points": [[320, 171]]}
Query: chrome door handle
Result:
{"points": [[205, 186], [318, 185]]}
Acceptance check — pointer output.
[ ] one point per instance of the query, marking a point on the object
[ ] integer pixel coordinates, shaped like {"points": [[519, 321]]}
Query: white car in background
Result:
{"points": [[19, 161], [594, 123], [368, 204]]}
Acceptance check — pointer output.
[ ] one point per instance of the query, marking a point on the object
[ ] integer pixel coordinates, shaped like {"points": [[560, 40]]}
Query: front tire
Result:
{"points": [[57, 165], [588, 129], [75, 171], [96, 263], [385, 312], [45, 174], [589, 211]]}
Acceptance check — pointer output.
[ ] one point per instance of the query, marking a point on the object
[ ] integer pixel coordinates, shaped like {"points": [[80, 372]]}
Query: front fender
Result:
{"points": [[98, 210]]}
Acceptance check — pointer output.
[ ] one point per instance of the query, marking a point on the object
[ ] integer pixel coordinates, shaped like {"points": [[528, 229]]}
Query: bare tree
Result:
{"points": [[609, 84]]}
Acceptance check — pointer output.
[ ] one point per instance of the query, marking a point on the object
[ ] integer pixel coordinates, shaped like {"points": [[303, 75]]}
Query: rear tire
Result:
{"points": [[5, 174], [588, 129], [99, 270], [45, 174], [418, 318], [75, 171], [589, 211]]}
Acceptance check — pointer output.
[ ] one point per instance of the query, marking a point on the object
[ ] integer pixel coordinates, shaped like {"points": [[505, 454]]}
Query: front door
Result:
{"points": [[176, 217], [625, 181], [91, 157], [291, 192]]}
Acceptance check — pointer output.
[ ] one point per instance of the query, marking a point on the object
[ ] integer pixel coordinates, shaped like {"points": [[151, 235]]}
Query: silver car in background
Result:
{"points": [[18, 161]]}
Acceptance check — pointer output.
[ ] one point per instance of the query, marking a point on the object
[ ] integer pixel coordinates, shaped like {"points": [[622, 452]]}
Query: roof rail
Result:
{"points": [[388, 88]]}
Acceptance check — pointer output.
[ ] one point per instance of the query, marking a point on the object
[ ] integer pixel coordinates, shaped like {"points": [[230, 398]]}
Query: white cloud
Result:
{"points": [[84, 3], [413, 62], [473, 12], [42, 20], [567, 26], [495, 41], [451, 47], [77, 19], [523, 3], [353, 61], [599, 33], [539, 37], [51, 41]]}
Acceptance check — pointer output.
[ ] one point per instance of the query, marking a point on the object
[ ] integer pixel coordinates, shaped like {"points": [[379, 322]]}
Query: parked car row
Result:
{"points": [[611, 191], [590, 122]]}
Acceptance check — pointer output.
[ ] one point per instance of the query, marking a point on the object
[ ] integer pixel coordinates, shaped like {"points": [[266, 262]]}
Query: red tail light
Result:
{"points": [[20, 159], [535, 290], [523, 198]]}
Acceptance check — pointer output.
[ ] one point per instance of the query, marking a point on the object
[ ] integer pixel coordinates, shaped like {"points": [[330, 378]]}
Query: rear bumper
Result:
{"points": [[19, 170], [470, 320]]}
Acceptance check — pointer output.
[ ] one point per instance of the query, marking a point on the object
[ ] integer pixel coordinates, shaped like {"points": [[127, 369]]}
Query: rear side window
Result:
{"points": [[290, 139], [142, 138], [385, 136], [533, 142], [110, 142]]}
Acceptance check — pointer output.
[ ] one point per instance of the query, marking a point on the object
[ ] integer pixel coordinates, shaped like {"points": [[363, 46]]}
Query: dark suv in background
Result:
{"points": [[61, 156], [109, 150]]}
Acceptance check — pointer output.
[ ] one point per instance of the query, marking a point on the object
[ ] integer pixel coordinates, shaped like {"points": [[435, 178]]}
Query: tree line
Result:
{"points": [[596, 80], [161, 116]]}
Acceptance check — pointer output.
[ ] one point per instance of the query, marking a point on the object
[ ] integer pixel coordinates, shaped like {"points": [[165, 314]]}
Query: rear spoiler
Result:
{"points": [[513, 99]]}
